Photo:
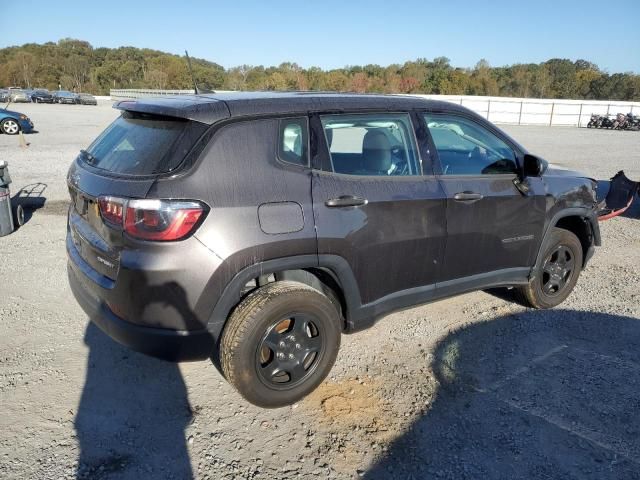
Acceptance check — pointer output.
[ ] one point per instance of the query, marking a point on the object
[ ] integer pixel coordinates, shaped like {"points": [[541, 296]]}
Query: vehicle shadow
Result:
{"points": [[535, 395], [134, 409], [30, 197]]}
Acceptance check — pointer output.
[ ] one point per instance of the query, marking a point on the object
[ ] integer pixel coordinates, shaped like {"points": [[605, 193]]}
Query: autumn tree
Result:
{"points": [[77, 65]]}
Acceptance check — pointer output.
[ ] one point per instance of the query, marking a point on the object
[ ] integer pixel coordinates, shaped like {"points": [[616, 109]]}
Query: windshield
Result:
{"points": [[143, 144]]}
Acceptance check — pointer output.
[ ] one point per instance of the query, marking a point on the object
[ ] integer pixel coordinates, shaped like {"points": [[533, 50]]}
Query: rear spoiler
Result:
{"points": [[199, 108]]}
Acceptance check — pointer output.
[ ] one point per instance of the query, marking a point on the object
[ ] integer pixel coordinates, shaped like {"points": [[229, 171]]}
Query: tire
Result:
{"points": [[556, 275], [10, 126], [267, 350], [18, 216]]}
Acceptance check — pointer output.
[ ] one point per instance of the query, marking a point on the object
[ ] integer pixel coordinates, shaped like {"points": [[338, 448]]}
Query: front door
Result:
{"points": [[373, 205], [492, 226]]}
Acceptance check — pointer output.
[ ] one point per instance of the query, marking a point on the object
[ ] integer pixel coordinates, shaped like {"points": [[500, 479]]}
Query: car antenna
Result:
{"points": [[193, 78]]}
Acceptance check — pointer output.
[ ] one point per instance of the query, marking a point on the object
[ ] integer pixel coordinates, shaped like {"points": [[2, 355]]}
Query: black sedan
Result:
{"points": [[64, 96], [41, 95], [86, 99]]}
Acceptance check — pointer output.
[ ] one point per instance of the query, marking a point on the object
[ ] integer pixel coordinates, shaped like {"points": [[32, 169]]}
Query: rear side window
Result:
{"points": [[466, 148], [376, 144], [142, 144], [292, 146]]}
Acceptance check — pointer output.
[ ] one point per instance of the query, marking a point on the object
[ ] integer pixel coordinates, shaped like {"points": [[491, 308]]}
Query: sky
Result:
{"points": [[332, 34]]}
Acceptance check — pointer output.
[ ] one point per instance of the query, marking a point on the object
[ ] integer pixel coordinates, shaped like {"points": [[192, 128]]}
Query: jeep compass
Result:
{"points": [[254, 229]]}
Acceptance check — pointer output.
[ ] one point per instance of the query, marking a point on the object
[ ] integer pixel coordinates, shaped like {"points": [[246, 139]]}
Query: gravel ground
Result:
{"points": [[471, 387]]}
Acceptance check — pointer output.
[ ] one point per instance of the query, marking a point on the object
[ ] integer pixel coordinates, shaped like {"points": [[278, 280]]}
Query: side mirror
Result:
{"points": [[533, 166]]}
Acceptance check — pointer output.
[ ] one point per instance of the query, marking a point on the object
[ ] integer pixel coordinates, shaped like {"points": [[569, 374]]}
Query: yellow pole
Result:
{"points": [[23, 142]]}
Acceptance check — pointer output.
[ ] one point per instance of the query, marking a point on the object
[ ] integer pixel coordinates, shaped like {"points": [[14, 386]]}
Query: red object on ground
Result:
{"points": [[615, 213]]}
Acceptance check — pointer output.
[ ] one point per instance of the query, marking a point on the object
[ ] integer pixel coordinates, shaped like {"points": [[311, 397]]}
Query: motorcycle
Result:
{"points": [[594, 121], [620, 123], [606, 122], [633, 122]]}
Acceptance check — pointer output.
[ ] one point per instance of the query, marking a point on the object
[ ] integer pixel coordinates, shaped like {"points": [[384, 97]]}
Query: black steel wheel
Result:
{"points": [[556, 275], [280, 343], [289, 351], [557, 270]]}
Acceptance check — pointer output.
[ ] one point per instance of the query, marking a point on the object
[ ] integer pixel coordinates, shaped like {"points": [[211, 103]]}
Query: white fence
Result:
{"points": [[515, 111], [539, 111], [139, 92]]}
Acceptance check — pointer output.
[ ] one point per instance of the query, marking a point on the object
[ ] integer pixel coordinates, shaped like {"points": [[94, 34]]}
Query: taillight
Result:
{"points": [[112, 209], [158, 220]]}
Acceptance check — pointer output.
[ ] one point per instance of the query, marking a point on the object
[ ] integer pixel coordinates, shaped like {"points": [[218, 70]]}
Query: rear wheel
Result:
{"points": [[280, 343], [10, 126], [557, 274]]}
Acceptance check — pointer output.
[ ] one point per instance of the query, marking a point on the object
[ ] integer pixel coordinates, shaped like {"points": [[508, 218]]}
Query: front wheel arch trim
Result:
{"points": [[581, 212]]}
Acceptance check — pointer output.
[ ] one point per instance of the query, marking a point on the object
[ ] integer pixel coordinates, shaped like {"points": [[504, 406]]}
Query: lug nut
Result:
{"points": [[280, 355], [291, 357], [298, 346], [282, 344]]}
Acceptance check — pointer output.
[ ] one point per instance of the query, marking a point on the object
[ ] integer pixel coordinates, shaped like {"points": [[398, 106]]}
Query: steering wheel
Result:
{"points": [[399, 161], [478, 154], [401, 168]]}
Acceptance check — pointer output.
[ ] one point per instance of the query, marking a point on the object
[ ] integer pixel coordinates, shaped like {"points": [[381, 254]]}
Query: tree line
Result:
{"points": [[75, 65]]}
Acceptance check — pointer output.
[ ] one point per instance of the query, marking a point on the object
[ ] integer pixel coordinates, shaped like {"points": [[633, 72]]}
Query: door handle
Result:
{"points": [[346, 201], [468, 197]]}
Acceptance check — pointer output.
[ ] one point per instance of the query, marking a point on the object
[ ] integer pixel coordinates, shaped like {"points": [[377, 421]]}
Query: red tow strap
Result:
{"points": [[615, 213]]}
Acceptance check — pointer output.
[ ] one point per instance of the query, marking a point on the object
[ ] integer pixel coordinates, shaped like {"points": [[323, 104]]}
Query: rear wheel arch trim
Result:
{"points": [[337, 266]]}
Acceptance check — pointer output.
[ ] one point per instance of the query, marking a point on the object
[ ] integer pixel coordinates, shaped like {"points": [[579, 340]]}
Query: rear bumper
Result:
{"points": [[172, 345]]}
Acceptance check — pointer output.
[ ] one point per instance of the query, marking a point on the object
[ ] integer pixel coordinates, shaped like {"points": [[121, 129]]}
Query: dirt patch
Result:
{"points": [[355, 402]]}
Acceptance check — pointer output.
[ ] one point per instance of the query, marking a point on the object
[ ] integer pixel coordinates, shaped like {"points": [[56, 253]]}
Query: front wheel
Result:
{"points": [[280, 343], [556, 275], [10, 126]]}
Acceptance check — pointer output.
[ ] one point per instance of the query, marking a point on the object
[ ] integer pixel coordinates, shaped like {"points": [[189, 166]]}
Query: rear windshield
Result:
{"points": [[143, 144]]}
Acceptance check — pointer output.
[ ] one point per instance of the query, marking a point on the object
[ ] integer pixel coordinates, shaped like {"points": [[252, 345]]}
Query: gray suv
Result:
{"points": [[256, 228]]}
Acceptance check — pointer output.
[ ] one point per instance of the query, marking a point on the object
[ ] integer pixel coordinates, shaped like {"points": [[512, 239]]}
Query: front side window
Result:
{"points": [[292, 147], [377, 144], [466, 148]]}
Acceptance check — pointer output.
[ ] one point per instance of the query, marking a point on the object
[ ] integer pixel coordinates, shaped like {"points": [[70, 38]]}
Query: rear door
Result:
{"points": [[491, 225], [376, 201]]}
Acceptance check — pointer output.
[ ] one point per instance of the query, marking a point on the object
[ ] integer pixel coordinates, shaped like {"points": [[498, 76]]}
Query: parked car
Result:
{"points": [[13, 123], [64, 96], [19, 96], [86, 99], [41, 95], [255, 228]]}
